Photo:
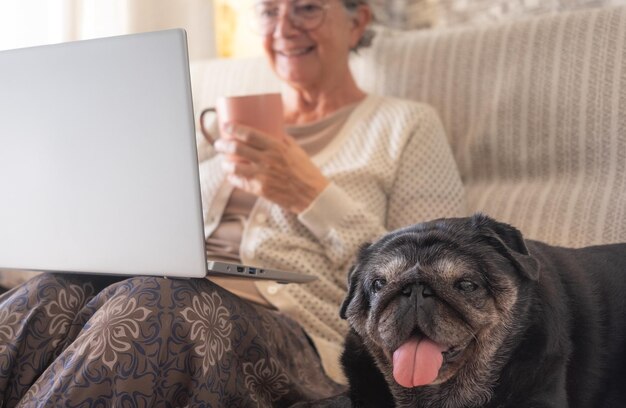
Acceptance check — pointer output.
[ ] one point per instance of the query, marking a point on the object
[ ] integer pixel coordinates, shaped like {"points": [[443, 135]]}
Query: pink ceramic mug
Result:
{"points": [[263, 112]]}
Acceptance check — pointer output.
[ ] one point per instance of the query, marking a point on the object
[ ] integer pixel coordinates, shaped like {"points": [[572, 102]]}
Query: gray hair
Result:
{"points": [[368, 35]]}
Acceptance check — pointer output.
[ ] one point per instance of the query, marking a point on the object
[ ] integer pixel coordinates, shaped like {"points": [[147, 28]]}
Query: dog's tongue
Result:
{"points": [[417, 362]]}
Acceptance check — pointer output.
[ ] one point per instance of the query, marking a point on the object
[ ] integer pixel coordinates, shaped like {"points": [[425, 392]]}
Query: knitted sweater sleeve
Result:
{"points": [[426, 185]]}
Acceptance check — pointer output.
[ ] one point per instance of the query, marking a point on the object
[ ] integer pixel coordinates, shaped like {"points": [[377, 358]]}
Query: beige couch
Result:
{"points": [[535, 111]]}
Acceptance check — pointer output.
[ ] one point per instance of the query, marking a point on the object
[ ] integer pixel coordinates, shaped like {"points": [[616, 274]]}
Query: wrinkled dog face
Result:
{"points": [[436, 300]]}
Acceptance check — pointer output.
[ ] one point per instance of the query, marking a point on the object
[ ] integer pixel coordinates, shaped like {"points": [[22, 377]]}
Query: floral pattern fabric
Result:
{"points": [[70, 340]]}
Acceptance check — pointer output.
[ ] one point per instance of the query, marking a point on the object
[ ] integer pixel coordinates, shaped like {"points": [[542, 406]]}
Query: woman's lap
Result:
{"points": [[150, 341]]}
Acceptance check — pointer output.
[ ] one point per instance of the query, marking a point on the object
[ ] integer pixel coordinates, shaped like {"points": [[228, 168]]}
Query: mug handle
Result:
{"points": [[205, 132]]}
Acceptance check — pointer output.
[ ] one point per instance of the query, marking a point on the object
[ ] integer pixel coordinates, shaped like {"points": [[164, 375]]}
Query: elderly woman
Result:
{"points": [[350, 167]]}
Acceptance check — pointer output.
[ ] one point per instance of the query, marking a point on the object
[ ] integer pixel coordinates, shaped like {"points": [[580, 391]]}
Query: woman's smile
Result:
{"points": [[294, 52]]}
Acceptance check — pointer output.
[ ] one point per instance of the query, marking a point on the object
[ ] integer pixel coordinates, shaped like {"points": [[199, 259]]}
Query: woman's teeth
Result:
{"points": [[295, 52]]}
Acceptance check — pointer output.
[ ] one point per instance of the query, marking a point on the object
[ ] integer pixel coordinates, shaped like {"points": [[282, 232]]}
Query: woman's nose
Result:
{"points": [[284, 26]]}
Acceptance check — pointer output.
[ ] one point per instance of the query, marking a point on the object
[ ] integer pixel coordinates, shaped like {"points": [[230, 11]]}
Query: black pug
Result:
{"points": [[465, 313]]}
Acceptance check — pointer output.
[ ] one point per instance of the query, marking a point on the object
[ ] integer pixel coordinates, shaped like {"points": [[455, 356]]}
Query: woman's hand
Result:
{"points": [[269, 167]]}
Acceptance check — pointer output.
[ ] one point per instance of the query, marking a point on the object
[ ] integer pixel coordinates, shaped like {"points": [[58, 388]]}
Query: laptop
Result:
{"points": [[98, 161]]}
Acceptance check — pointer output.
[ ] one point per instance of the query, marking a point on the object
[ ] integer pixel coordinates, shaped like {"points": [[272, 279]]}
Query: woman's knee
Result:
{"points": [[143, 319]]}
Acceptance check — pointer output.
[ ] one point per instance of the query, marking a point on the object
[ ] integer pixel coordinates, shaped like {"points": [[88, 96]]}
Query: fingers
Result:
{"points": [[237, 151], [251, 186], [248, 144], [250, 177], [266, 166], [292, 186], [246, 177], [240, 169], [251, 137]]}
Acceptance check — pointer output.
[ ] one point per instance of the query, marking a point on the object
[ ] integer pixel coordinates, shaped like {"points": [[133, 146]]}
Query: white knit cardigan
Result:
{"points": [[389, 166]]}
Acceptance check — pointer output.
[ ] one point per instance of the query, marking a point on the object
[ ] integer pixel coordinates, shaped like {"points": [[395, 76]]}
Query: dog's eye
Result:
{"points": [[466, 286], [378, 285]]}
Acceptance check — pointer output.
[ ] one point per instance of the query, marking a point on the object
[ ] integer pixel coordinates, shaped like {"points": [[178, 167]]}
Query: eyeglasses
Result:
{"points": [[306, 15]]}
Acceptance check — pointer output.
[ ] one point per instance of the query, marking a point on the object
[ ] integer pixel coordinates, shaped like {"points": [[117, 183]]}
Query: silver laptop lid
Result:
{"points": [[98, 164]]}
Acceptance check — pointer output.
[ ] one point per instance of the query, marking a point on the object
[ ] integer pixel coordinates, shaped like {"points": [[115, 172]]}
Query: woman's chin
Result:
{"points": [[298, 75]]}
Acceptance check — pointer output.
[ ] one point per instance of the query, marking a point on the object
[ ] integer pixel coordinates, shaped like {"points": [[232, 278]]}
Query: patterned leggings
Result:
{"points": [[79, 341]]}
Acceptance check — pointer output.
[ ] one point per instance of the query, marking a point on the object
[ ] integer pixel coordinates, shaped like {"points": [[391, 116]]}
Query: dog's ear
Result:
{"points": [[352, 288], [509, 242], [353, 281]]}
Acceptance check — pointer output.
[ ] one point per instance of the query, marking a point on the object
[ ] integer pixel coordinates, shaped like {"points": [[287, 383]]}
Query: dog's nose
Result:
{"points": [[419, 288]]}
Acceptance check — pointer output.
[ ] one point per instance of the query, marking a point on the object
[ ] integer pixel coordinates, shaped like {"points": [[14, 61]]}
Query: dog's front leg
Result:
{"points": [[368, 388]]}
